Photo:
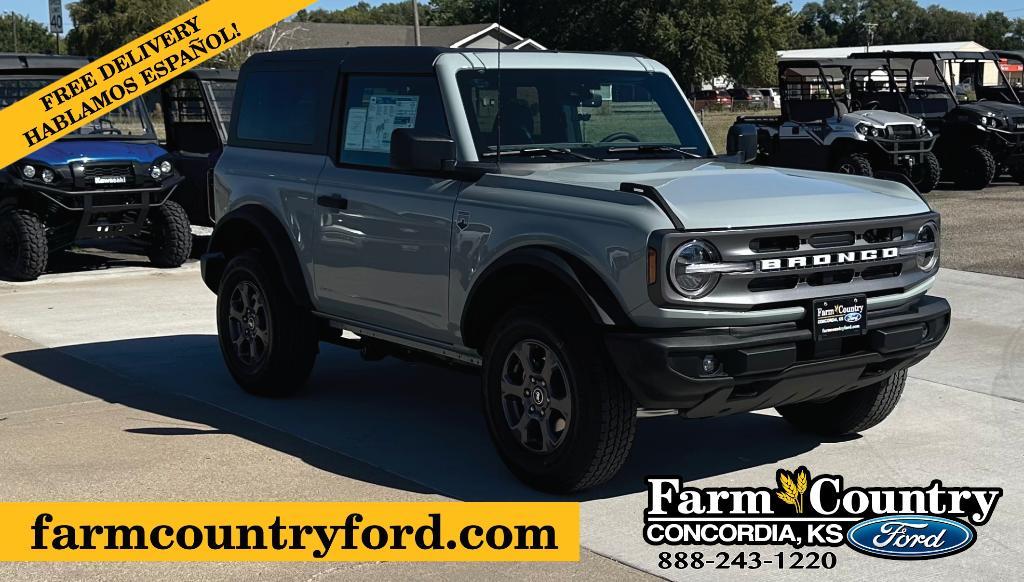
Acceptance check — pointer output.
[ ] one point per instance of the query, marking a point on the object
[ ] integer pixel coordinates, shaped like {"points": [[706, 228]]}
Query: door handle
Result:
{"points": [[334, 202]]}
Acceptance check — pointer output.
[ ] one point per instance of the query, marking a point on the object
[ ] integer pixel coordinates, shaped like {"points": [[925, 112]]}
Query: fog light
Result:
{"points": [[709, 365], [48, 176], [165, 167], [29, 172], [924, 332]]}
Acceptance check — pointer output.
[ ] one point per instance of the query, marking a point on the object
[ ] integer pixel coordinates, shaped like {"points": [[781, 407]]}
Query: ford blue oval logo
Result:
{"points": [[910, 536], [852, 317]]}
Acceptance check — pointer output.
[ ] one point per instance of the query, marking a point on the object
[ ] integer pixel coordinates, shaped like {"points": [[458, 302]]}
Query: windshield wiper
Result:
{"points": [[547, 151], [647, 149]]}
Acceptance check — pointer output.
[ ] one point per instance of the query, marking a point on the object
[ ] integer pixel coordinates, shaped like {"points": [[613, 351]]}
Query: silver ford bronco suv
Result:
{"points": [[560, 223]]}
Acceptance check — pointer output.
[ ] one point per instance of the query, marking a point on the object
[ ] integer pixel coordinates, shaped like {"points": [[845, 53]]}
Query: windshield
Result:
{"points": [[591, 112], [126, 122]]}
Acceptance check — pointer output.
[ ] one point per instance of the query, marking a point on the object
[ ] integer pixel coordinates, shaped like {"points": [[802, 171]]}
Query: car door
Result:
{"points": [[384, 236]]}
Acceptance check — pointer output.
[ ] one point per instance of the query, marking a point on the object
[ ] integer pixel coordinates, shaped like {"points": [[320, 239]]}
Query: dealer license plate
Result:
{"points": [[839, 317]]}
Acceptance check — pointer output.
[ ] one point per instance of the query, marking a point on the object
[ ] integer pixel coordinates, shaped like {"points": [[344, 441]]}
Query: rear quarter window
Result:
{"points": [[279, 107]]}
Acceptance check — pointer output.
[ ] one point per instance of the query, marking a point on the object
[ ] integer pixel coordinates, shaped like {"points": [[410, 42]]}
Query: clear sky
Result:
{"points": [[38, 9]]}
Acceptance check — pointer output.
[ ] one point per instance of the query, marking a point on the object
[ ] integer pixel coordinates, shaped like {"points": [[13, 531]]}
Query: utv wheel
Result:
{"points": [[558, 412], [268, 342], [976, 168], [926, 174], [170, 235], [855, 164], [848, 413], [23, 247]]}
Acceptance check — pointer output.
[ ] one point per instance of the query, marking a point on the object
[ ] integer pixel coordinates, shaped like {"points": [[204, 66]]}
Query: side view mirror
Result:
{"points": [[417, 151], [742, 142]]}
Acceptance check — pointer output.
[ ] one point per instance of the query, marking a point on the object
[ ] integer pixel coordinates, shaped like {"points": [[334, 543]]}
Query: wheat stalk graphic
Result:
{"points": [[792, 487]]}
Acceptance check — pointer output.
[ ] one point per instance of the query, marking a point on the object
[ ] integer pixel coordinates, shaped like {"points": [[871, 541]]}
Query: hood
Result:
{"points": [[879, 117], [65, 151], [996, 108], [707, 194]]}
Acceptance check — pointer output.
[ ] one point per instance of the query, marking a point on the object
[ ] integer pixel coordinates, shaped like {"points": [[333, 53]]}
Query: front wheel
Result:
{"points": [[169, 235], [848, 413], [854, 164], [558, 413], [23, 245], [268, 342], [976, 168], [926, 174]]}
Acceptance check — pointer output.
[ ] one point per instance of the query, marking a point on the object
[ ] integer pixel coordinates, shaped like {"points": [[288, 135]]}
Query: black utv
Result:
{"points": [[965, 98], [824, 126], [107, 179]]}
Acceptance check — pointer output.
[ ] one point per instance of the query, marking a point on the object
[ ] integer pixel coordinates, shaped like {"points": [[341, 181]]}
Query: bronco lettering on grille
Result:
{"points": [[823, 260]]}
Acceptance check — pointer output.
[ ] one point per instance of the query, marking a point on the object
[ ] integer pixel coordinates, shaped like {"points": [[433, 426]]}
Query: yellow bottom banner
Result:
{"points": [[289, 531]]}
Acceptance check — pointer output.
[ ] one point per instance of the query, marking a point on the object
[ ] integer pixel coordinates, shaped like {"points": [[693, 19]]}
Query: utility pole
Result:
{"points": [[416, 20], [871, 26]]}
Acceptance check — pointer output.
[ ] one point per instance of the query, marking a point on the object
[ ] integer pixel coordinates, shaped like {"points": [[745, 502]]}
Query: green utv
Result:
{"points": [[965, 98]]}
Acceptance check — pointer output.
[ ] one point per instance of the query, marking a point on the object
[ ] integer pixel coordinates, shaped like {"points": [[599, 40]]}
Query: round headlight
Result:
{"points": [[928, 233], [48, 176], [166, 167], [154, 172], [984, 121], [862, 128], [689, 283], [874, 132], [29, 172]]}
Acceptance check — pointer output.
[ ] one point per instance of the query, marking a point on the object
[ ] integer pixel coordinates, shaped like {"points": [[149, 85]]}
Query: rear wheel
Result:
{"points": [[170, 235], [854, 164], [975, 168], [558, 413], [23, 246], [848, 413], [268, 342], [927, 173]]}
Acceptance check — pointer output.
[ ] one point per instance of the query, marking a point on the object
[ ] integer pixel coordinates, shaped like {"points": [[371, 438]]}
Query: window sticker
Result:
{"points": [[355, 128], [385, 114]]}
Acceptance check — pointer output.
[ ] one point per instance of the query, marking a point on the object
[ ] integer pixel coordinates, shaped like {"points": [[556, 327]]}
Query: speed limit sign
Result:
{"points": [[56, 17]]}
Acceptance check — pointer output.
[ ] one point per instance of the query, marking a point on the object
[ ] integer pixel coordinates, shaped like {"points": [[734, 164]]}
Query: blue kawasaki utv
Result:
{"points": [[107, 179]]}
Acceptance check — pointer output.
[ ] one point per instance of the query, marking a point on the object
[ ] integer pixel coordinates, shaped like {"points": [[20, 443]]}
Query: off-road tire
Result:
{"points": [[927, 173], [23, 246], [170, 235], [848, 413], [975, 169], [600, 432], [291, 344], [854, 164]]}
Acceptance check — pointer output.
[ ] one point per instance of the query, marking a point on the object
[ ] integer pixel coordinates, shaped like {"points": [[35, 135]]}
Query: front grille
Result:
{"points": [[903, 131], [95, 171], [798, 263]]}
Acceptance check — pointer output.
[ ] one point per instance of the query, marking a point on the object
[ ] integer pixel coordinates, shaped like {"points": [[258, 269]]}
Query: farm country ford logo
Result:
{"points": [[801, 510]]}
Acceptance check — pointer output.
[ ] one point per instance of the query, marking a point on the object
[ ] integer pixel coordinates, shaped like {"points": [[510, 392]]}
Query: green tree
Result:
{"points": [[364, 13], [101, 26], [23, 35]]}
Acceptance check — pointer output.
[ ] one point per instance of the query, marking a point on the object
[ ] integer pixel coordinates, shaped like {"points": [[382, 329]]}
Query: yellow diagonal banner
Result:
{"points": [[135, 68]]}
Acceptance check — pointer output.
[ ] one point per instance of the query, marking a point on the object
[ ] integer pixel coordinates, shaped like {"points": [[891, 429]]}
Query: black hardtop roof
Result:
{"points": [[26, 62], [383, 59], [815, 63], [212, 74], [1014, 55], [936, 55]]}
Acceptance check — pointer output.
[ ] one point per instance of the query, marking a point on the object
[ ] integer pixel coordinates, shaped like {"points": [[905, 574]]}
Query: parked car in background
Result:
{"points": [[771, 96], [107, 179], [714, 98], [745, 98]]}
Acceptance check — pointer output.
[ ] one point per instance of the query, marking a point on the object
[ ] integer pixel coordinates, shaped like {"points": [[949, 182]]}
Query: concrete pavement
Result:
{"points": [[127, 361]]}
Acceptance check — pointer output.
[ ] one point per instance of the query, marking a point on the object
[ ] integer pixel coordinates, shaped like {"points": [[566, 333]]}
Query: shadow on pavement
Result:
{"points": [[402, 425]]}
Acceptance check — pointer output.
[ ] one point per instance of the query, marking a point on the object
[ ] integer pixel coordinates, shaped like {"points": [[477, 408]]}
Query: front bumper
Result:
{"points": [[769, 365]]}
